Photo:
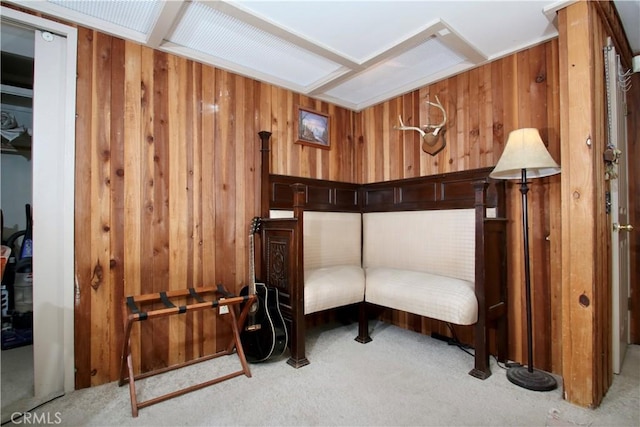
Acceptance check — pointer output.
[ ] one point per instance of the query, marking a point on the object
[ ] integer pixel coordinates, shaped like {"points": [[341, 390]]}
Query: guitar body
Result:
{"points": [[265, 333]]}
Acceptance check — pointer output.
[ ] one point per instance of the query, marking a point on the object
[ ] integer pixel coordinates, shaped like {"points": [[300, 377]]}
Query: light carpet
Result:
{"points": [[401, 378]]}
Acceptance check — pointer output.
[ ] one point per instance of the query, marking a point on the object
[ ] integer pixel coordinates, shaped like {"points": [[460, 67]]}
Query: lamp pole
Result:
{"points": [[524, 152], [524, 190], [529, 378]]}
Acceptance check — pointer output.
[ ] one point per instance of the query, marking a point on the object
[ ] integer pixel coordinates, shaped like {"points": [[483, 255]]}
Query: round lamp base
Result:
{"points": [[535, 380]]}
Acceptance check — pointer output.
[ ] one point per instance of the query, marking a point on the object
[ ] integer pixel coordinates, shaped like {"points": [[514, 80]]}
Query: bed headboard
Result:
{"points": [[454, 190]]}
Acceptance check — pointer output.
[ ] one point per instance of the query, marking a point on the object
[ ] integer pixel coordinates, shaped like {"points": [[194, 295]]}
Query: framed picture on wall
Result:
{"points": [[313, 128]]}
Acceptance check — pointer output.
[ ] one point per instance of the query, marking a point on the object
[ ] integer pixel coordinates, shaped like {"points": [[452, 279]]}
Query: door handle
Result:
{"points": [[618, 227]]}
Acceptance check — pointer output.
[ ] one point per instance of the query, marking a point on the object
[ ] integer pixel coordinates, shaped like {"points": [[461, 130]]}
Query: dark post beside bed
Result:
{"points": [[492, 307], [282, 257], [265, 150]]}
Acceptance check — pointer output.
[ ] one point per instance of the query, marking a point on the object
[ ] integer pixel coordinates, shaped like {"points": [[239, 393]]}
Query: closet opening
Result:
{"points": [[16, 108]]}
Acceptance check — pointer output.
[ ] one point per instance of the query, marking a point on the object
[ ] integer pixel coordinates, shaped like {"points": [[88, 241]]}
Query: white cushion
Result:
{"points": [[438, 297], [332, 287], [330, 238], [438, 241]]}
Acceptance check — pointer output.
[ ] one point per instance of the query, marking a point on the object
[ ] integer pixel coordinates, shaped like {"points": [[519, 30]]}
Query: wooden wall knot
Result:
{"points": [[584, 300], [96, 278], [541, 78]]}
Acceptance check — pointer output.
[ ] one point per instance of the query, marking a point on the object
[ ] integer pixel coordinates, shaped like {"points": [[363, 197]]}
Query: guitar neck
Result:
{"points": [[252, 266]]}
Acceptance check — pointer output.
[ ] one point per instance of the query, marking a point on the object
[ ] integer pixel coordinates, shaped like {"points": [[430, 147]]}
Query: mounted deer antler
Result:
{"points": [[430, 139]]}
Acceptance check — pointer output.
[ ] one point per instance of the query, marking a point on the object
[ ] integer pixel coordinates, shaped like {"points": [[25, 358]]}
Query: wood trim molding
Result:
{"points": [[443, 191], [611, 20]]}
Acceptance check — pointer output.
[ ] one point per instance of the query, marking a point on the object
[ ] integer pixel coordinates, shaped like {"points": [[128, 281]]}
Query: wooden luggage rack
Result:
{"points": [[132, 312]]}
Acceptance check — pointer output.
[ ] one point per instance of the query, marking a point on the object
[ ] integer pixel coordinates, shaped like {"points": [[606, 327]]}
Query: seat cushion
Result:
{"points": [[438, 297], [331, 287]]}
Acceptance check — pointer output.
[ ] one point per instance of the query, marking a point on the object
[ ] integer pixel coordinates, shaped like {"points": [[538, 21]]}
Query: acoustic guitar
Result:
{"points": [[265, 334]]}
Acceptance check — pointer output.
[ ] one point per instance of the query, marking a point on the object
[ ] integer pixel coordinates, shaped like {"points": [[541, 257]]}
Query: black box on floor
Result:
{"points": [[17, 330], [22, 320]]}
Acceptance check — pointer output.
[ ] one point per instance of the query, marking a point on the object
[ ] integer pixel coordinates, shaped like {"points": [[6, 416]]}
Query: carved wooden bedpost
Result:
{"points": [[298, 357], [481, 369], [490, 270], [265, 184]]}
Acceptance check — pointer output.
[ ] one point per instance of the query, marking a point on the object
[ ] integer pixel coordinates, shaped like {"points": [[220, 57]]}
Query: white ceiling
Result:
{"points": [[352, 53]]}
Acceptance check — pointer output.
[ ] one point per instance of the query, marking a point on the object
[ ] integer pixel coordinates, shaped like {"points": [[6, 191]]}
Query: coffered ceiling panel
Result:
{"points": [[353, 53]]}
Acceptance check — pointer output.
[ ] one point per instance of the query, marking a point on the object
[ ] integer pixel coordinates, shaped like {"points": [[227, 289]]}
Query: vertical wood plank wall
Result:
{"points": [[586, 275], [483, 106], [167, 176], [582, 144], [167, 182]]}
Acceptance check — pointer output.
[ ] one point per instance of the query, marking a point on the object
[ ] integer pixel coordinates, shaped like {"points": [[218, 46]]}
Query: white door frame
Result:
{"points": [[617, 127], [53, 154]]}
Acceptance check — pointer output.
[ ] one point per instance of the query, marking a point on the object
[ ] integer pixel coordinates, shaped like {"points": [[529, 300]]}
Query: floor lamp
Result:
{"points": [[525, 156]]}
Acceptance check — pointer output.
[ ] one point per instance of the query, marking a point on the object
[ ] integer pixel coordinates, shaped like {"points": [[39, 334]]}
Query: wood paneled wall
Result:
{"points": [[483, 105], [584, 28], [167, 182], [167, 179]]}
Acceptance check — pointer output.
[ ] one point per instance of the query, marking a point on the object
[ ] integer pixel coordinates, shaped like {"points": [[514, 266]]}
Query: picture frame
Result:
{"points": [[312, 128]]}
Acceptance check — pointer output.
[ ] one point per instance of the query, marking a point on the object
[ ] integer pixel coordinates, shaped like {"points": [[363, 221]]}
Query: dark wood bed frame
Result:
{"points": [[282, 245]]}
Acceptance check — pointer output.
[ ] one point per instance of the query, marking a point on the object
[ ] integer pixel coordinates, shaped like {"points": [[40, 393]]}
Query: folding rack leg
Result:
{"points": [[235, 340], [126, 364], [126, 359]]}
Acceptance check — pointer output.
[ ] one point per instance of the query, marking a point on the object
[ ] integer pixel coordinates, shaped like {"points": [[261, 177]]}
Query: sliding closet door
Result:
{"points": [[53, 151], [53, 158]]}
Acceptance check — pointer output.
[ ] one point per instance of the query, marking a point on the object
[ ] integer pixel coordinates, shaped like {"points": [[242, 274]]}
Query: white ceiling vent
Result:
{"points": [[400, 74], [227, 38], [139, 15]]}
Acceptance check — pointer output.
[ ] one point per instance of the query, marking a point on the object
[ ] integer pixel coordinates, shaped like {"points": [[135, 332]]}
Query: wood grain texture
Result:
{"points": [[99, 182], [134, 137], [83, 212], [168, 180], [586, 282]]}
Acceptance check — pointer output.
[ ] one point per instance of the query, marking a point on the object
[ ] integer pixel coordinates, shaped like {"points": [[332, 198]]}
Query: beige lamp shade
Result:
{"points": [[525, 150]]}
